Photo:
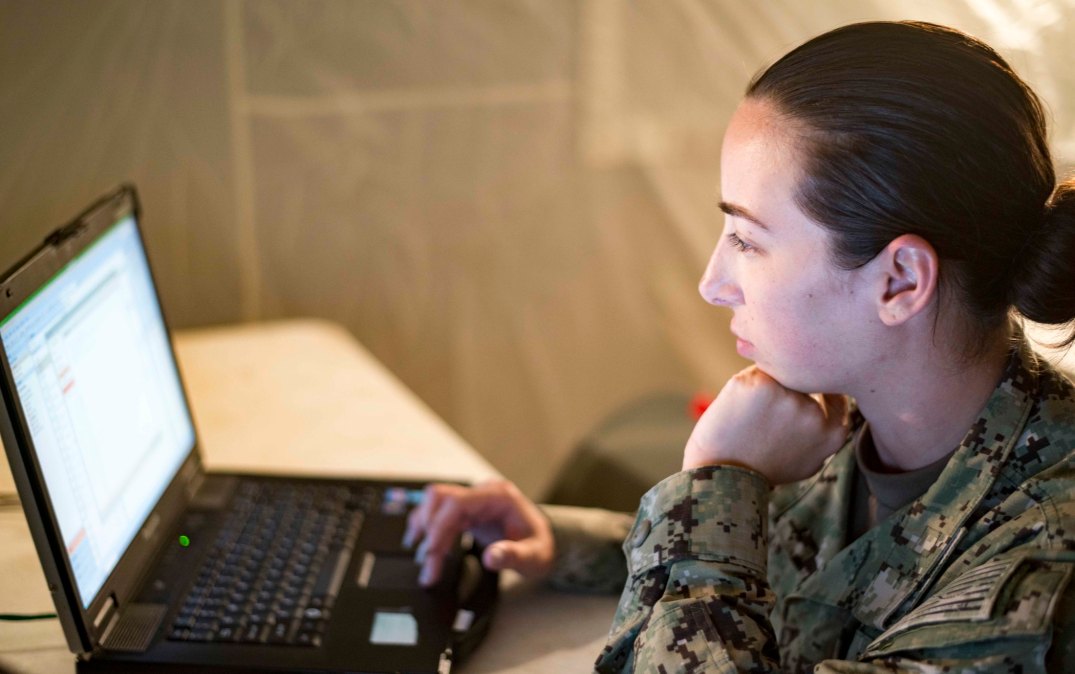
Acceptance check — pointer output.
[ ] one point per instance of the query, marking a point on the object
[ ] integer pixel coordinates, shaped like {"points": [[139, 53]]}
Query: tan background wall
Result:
{"points": [[509, 202]]}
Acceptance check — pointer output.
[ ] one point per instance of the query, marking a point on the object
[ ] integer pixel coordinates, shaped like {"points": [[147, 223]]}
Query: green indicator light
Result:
{"points": [[184, 541]]}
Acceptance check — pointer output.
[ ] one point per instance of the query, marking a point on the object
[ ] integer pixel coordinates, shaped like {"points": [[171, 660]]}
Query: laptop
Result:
{"points": [[155, 564]]}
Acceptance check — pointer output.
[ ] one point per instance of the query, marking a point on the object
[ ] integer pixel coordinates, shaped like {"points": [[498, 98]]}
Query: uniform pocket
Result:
{"points": [[1014, 597]]}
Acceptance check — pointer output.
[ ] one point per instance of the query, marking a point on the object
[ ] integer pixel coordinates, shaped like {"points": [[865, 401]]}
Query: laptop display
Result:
{"points": [[102, 399]]}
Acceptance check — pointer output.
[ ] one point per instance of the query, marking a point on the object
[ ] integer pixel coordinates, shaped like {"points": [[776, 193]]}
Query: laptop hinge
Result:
{"points": [[194, 484], [106, 611]]}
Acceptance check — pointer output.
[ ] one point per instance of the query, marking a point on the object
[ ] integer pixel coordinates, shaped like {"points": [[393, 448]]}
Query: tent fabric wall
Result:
{"points": [[509, 202]]}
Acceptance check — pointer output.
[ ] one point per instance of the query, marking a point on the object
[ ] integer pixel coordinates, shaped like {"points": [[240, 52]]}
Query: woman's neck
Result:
{"points": [[921, 409]]}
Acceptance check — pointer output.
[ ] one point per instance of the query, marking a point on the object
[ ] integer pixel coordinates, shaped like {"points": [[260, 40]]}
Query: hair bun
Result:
{"points": [[1043, 289]]}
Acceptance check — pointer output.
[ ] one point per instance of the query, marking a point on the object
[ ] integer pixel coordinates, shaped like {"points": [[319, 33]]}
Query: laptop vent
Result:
{"points": [[135, 629]]}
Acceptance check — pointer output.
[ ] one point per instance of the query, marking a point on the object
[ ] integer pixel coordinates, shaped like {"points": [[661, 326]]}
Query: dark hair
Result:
{"points": [[916, 128]]}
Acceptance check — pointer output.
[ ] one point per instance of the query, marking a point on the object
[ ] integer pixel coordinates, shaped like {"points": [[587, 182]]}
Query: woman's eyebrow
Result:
{"points": [[740, 212]]}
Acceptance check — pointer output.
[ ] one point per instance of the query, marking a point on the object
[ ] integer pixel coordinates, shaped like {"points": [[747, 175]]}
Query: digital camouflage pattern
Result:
{"points": [[973, 576]]}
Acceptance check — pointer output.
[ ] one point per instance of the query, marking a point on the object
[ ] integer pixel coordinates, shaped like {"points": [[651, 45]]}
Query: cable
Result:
{"points": [[22, 617]]}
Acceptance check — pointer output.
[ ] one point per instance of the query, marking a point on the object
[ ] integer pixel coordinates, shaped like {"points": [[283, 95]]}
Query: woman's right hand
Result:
{"points": [[515, 533], [758, 423]]}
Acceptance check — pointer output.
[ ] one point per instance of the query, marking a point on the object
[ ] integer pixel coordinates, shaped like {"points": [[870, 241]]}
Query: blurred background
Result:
{"points": [[509, 202]]}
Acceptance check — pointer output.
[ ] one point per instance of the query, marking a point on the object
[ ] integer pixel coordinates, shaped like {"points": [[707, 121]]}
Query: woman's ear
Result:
{"points": [[908, 271]]}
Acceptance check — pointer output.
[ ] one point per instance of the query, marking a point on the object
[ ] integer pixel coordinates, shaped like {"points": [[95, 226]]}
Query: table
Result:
{"points": [[303, 396]]}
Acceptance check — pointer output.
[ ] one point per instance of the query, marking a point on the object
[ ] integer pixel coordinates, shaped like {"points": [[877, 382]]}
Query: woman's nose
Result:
{"points": [[717, 287]]}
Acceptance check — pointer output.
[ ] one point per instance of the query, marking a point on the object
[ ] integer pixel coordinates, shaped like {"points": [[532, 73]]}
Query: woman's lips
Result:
{"points": [[744, 348]]}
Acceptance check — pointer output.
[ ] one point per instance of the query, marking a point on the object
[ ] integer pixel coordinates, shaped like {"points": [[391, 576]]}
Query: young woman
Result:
{"points": [[890, 203]]}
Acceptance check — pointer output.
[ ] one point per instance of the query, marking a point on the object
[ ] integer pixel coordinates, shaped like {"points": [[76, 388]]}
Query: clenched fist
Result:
{"points": [[758, 424]]}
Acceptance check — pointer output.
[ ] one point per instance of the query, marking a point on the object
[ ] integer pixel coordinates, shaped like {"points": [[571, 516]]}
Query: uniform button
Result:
{"points": [[641, 532]]}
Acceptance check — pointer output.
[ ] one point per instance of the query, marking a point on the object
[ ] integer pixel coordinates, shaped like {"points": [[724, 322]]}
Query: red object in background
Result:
{"points": [[698, 405]]}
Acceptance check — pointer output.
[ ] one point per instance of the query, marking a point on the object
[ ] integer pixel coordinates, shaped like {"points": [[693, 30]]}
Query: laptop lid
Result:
{"points": [[97, 427]]}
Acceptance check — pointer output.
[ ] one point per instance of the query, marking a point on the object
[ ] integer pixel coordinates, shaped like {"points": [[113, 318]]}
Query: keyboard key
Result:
{"points": [[179, 634], [200, 635], [279, 633], [250, 634], [307, 639]]}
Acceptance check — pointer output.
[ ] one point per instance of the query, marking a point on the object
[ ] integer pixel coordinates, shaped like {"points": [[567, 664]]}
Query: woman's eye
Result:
{"points": [[743, 246]]}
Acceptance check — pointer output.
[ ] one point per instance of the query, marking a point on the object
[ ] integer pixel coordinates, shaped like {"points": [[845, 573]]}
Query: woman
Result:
{"points": [[890, 200]]}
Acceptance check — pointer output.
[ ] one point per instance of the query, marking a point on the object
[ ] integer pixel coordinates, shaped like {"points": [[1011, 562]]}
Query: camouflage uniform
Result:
{"points": [[971, 576]]}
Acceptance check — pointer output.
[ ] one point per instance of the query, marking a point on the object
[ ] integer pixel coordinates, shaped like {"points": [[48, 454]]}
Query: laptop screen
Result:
{"points": [[97, 383]]}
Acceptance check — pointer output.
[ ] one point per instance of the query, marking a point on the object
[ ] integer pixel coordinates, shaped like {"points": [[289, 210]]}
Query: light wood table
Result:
{"points": [[304, 396]]}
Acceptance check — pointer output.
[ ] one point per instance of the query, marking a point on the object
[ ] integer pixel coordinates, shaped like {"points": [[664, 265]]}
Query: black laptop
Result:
{"points": [[155, 564]]}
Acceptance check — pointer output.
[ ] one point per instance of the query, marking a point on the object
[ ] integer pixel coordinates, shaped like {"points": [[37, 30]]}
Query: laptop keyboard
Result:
{"points": [[276, 566]]}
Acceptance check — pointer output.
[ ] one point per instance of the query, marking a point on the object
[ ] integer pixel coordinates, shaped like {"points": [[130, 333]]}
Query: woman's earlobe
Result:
{"points": [[891, 315]]}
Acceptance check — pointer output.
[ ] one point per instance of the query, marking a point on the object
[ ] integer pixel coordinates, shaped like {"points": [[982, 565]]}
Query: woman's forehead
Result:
{"points": [[759, 164]]}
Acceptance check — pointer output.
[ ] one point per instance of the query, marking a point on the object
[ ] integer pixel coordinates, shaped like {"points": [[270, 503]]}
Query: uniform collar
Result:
{"points": [[893, 490], [893, 564]]}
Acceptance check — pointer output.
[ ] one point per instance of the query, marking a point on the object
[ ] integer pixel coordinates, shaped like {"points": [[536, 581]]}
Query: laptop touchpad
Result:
{"points": [[387, 571]]}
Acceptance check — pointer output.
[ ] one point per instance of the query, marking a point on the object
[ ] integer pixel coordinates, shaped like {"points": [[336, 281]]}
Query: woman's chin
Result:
{"points": [[789, 380]]}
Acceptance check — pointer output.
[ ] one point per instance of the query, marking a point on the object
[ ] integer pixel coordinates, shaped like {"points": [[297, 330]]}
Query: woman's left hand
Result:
{"points": [[757, 423]]}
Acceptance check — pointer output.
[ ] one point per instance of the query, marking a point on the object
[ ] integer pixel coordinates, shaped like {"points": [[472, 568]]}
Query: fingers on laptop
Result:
{"points": [[517, 534], [437, 522]]}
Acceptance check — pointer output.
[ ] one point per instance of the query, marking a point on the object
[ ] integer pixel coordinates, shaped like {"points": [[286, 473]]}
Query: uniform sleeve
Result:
{"points": [[696, 598], [589, 552]]}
